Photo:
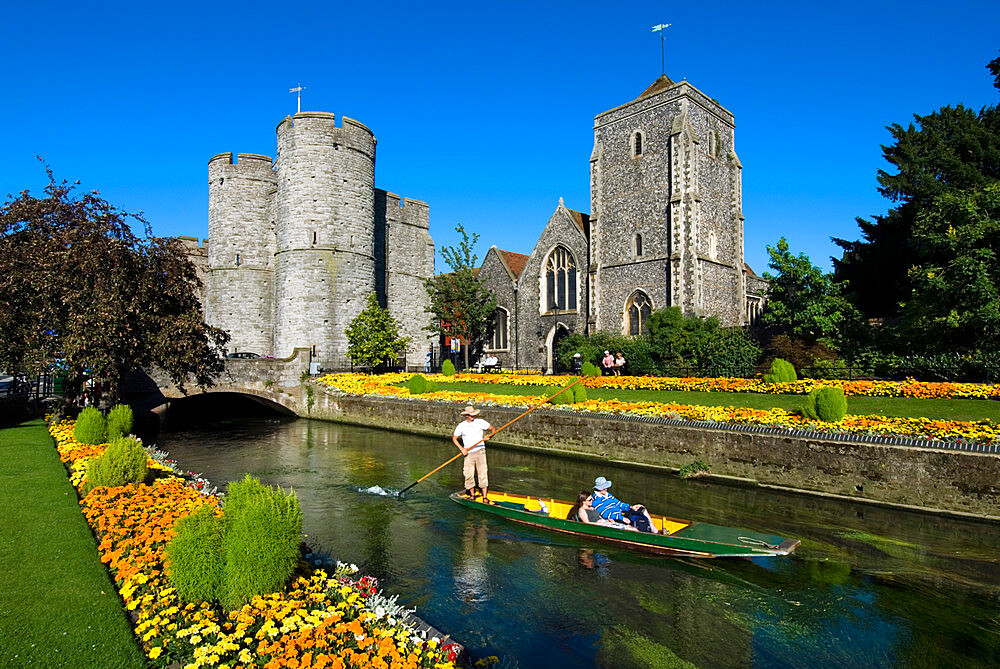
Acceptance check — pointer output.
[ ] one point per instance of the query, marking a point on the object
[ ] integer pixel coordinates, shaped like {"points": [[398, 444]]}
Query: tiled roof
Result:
{"points": [[581, 219], [515, 261]]}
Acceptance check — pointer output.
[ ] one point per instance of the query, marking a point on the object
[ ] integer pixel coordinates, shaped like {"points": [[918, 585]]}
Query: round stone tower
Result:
{"points": [[240, 277], [325, 258]]}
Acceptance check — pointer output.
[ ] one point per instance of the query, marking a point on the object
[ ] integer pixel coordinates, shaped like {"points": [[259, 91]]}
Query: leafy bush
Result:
{"points": [[91, 428], [798, 352], [119, 421], [590, 369], [636, 350], [975, 367], [579, 393], [781, 372], [262, 528], [728, 352], [194, 556], [419, 385], [827, 404], [123, 462], [448, 368]]}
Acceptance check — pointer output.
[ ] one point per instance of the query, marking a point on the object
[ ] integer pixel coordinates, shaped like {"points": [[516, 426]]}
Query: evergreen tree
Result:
{"points": [[951, 150], [373, 335], [955, 300], [460, 305]]}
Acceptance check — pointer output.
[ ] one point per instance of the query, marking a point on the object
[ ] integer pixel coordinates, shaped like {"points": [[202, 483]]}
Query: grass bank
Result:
{"points": [[902, 407], [58, 606]]}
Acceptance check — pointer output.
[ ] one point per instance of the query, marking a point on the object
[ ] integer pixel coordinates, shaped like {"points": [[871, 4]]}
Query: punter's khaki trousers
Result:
{"points": [[475, 463]]}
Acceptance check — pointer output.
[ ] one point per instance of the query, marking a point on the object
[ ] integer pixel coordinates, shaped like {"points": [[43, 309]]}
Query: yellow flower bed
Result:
{"points": [[982, 431], [319, 621], [907, 388]]}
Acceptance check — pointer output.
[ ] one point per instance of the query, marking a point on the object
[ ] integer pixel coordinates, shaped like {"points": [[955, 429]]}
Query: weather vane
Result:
{"points": [[298, 90], [659, 29]]}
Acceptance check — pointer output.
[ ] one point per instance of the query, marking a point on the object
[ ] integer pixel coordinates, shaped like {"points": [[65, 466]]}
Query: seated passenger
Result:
{"points": [[583, 511], [612, 509]]}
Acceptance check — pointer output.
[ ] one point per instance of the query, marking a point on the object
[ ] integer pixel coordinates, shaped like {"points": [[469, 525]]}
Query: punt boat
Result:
{"points": [[679, 538]]}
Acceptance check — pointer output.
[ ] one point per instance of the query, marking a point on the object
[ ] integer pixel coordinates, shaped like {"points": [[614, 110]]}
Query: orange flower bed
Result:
{"points": [[319, 621]]}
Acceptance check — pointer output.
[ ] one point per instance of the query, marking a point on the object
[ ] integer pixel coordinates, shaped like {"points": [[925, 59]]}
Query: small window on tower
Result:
{"points": [[315, 236], [638, 246], [237, 259], [638, 143]]}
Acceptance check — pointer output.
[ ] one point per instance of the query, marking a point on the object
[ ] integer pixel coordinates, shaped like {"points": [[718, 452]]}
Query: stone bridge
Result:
{"points": [[276, 383]]}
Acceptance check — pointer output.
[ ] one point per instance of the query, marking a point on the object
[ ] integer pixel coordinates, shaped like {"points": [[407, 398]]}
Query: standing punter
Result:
{"points": [[472, 431]]}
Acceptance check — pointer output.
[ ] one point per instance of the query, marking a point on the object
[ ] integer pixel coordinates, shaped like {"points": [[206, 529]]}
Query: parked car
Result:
{"points": [[243, 355]]}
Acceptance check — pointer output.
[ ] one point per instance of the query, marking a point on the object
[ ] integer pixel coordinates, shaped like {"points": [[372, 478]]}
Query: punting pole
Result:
{"points": [[561, 390]]}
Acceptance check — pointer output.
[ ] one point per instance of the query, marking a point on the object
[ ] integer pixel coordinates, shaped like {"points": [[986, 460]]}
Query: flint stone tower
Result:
{"points": [[297, 244], [665, 230], [666, 207]]}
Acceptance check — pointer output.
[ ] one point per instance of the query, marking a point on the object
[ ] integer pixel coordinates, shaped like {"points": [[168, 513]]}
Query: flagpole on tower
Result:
{"points": [[298, 91], [659, 29]]}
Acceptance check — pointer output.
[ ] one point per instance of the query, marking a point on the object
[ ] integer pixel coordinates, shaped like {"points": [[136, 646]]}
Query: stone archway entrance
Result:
{"points": [[556, 335]]}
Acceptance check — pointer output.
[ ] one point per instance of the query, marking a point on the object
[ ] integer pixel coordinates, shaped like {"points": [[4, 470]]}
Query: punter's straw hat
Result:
{"points": [[469, 411]]}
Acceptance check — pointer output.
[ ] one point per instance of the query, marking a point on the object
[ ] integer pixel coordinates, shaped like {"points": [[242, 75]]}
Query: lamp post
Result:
{"points": [[516, 330]]}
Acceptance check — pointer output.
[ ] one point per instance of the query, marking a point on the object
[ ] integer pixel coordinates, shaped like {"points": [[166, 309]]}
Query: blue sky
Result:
{"points": [[486, 110]]}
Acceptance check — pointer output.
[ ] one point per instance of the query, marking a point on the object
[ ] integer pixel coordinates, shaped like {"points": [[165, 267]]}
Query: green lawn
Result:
{"points": [[58, 606], [859, 405]]}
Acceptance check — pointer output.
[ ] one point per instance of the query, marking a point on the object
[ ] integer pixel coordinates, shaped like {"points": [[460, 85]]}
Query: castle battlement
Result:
{"points": [[320, 129]]}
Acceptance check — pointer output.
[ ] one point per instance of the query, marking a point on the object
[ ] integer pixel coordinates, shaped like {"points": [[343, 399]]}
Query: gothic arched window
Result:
{"points": [[637, 313], [498, 335], [560, 280]]}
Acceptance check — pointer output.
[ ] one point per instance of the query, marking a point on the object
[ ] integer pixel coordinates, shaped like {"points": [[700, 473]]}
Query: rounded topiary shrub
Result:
{"points": [[448, 368], [417, 384], [782, 371], [123, 462], [827, 404], [579, 393], [549, 391], [194, 556], [119, 421], [590, 369], [90, 428]]}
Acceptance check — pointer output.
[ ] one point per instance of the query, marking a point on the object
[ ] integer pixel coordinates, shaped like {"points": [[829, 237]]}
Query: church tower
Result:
{"points": [[666, 210]]}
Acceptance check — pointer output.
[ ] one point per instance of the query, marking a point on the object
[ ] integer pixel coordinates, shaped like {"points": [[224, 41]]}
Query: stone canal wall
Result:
{"points": [[956, 482]]}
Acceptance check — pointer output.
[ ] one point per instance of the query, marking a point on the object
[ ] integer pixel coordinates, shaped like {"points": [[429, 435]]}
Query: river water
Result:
{"points": [[868, 587]]}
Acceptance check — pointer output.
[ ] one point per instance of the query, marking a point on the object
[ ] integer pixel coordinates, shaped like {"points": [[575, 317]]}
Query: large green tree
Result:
{"points": [[79, 291], [373, 335], [951, 150], [955, 300], [460, 306], [802, 299]]}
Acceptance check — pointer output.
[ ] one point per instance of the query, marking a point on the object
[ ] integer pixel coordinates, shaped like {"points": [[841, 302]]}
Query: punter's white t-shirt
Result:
{"points": [[472, 432]]}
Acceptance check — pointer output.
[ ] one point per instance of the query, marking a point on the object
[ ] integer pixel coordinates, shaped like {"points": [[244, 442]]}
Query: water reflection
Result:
{"points": [[868, 587], [471, 576]]}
